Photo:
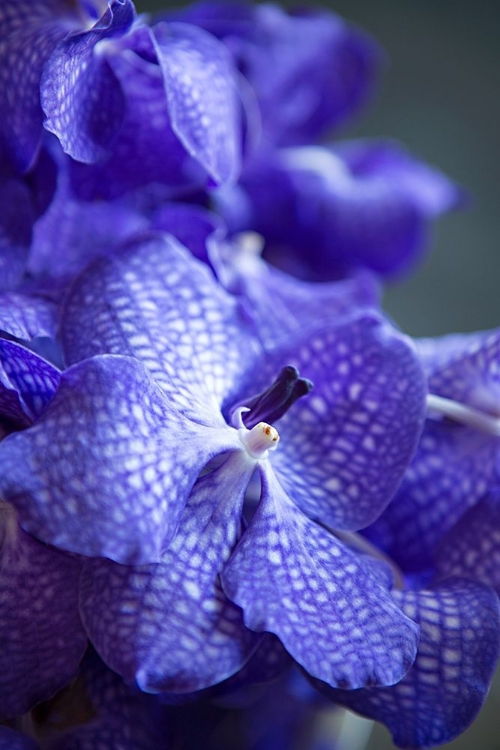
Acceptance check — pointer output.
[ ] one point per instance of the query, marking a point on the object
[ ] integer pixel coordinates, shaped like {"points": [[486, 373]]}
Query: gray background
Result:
{"points": [[439, 96]]}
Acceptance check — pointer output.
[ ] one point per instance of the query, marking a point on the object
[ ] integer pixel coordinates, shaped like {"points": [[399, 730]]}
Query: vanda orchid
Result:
{"points": [[233, 494]]}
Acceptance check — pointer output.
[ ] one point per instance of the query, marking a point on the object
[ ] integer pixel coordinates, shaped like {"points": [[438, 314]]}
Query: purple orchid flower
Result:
{"points": [[171, 110], [169, 372], [456, 464], [40, 27], [324, 212], [319, 68]]}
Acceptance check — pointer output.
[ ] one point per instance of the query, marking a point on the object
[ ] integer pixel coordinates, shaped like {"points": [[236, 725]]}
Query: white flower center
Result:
{"points": [[259, 440]]}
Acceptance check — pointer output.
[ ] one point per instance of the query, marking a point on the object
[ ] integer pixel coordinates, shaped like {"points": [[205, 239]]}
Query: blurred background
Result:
{"points": [[439, 96]]}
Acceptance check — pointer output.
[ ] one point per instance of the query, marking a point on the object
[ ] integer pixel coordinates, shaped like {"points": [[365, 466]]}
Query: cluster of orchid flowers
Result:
{"points": [[226, 477]]}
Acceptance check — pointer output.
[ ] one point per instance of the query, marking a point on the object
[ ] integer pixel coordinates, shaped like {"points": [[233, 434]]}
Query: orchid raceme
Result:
{"points": [[174, 367], [233, 495]]}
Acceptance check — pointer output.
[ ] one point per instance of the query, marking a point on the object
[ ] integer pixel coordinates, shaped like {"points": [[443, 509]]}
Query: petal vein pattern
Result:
{"points": [[201, 94], [107, 468], [27, 383], [345, 447], [455, 465], [328, 606], [444, 690], [76, 80], [169, 627], [157, 303]]}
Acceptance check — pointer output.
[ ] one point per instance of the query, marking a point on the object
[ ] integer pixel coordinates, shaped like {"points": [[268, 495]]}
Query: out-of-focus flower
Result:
{"points": [[324, 212], [304, 72], [457, 461], [171, 109]]}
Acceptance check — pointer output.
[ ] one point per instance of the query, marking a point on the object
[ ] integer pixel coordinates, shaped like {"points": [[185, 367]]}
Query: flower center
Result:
{"points": [[269, 405], [259, 440]]}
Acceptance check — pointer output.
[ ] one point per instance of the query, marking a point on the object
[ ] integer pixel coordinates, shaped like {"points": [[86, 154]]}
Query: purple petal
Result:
{"points": [[453, 468], [27, 383], [26, 317], [432, 191], [267, 663], [37, 27], [327, 606], [201, 94], [77, 80], [344, 448], [158, 304], [327, 221], [455, 465], [280, 304], [326, 211], [472, 548], [464, 367], [314, 64], [445, 689], [169, 627], [60, 249], [107, 468], [40, 630], [194, 227], [146, 149], [313, 61]]}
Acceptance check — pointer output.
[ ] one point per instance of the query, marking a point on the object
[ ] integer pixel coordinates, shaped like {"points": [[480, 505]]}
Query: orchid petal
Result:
{"points": [[24, 317], [40, 630], [107, 468], [328, 607], [455, 464], [169, 627], [432, 192], [472, 548], [201, 94], [27, 383], [281, 304], [30, 32], [453, 468], [446, 687], [345, 447], [60, 249], [158, 304], [146, 150], [76, 79]]}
